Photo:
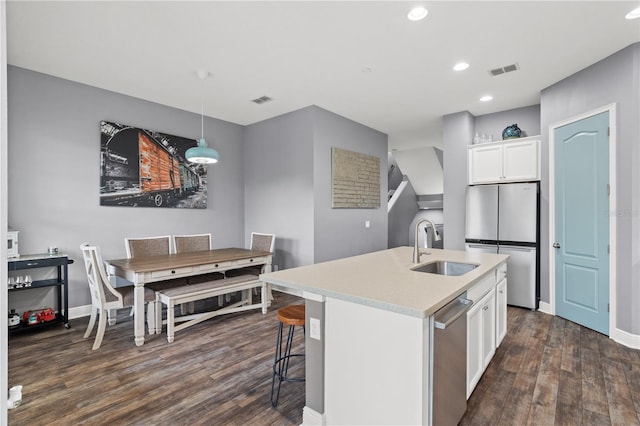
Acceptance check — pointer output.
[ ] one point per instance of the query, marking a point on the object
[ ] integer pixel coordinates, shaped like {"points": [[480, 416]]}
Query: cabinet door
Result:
{"points": [[488, 327], [521, 161], [501, 311], [485, 163], [475, 366]]}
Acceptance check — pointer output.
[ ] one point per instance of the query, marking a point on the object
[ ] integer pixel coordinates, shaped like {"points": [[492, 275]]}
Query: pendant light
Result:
{"points": [[202, 154]]}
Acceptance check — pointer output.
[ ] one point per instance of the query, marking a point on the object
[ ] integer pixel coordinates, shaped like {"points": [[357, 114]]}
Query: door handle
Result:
{"points": [[556, 245], [464, 306]]}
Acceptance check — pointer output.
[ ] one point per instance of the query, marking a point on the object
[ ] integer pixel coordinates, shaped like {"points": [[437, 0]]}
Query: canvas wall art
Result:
{"points": [[145, 168], [355, 180]]}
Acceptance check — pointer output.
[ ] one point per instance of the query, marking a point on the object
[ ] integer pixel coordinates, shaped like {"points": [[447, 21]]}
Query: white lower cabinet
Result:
{"points": [[488, 328], [481, 338], [501, 311], [474, 347]]}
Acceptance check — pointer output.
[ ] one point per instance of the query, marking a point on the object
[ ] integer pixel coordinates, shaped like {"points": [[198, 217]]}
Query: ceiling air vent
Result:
{"points": [[261, 100], [502, 70]]}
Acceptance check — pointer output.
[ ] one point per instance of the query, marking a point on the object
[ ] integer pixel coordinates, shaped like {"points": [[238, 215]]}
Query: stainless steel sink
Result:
{"points": [[443, 267]]}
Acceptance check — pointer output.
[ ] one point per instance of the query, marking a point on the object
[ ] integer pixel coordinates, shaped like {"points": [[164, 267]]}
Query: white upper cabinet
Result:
{"points": [[506, 161]]}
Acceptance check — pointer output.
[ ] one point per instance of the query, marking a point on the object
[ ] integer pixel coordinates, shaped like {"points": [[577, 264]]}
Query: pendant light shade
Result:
{"points": [[202, 154]]}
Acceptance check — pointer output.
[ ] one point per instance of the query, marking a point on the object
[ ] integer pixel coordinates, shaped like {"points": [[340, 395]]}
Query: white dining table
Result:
{"points": [[144, 270]]}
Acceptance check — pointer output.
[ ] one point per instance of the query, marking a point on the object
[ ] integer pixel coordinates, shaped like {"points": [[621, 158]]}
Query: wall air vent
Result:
{"points": [[502, 70], [261, 100]]}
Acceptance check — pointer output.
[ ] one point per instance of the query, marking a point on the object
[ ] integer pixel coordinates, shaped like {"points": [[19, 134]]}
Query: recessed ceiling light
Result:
{"points": [[461, 66], [417, 13], [635, 13], [486, 98]]}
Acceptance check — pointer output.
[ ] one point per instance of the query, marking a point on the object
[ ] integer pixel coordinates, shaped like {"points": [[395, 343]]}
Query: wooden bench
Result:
{"points": [[190, 293]]}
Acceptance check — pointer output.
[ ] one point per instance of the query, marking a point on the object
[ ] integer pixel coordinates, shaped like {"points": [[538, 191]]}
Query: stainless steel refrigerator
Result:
{"points": [[505, 219]]}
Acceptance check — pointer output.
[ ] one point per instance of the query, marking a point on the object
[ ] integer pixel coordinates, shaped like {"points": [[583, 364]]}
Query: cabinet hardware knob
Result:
{"points": [[173, 272], [556, 245], [485, 308]]}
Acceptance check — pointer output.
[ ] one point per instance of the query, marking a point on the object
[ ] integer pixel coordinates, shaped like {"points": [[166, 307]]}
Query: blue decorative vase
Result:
{"points": [[511, 132]]}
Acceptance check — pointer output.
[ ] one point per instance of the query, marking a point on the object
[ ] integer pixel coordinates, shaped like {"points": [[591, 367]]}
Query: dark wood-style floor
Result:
{"points": [[547, 371], [550, 371], [216, 372]]}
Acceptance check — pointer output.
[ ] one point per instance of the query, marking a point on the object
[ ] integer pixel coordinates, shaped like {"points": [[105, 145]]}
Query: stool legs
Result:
{"points": [[281, 363]]}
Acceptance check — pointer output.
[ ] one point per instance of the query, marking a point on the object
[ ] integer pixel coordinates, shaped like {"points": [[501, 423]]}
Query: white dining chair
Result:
{"points": [[191, 243], [147, 246], [260, 242], [105, 297], [154, 246]]}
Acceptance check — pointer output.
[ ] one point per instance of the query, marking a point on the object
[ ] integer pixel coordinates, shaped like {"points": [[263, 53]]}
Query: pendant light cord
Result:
{"points": [[202, 111]]}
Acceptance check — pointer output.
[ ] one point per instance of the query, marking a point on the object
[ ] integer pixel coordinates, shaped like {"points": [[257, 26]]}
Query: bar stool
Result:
{"points": [[292, 315]]}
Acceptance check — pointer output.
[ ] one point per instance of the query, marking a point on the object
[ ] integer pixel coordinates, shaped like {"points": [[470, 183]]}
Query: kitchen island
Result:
{"points": [[368, 331]]}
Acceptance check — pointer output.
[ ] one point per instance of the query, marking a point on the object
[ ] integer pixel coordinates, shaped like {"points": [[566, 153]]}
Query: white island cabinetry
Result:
{"points": [[507, 161], [376, 366], [486, 323], [501, 311], [369, 361]]}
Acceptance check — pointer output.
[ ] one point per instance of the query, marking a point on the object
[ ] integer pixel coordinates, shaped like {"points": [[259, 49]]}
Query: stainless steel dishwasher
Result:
{"points": [[449, 362]]}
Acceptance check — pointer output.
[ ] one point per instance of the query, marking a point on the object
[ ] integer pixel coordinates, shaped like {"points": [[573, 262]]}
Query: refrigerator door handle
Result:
{"points": [[515, 248], [481, 245]]}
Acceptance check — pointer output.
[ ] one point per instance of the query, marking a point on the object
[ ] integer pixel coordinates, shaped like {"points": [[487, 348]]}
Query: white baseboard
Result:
{"points": [[545, 308], [311, 417], [79, 311], [625, 338]]}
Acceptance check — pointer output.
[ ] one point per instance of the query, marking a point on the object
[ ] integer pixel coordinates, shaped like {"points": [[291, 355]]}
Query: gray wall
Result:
{"points": [[314, 358], [341, 233], [54, 172], [403, 212], [394, 177], [288, 187], [278, 168], [527, 119], [615, 79], [457, 134]]}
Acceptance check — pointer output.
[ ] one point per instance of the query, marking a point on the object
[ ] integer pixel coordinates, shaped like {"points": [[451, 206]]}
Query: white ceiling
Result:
{"points": [[319, 53]]}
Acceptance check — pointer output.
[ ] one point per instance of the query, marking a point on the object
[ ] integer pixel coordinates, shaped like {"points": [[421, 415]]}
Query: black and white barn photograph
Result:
{"points": [[145, 168]]}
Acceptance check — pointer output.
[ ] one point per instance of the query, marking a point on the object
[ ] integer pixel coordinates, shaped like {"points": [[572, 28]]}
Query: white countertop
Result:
{"points": [[384, 279]]}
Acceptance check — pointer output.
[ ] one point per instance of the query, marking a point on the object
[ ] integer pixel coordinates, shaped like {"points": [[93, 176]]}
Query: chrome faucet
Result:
{"points": [[416, 250]]}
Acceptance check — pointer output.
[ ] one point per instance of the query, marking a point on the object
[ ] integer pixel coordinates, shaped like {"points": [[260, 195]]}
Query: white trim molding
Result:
{"points": [[625, 338], [4, 308], [545, 308], [311, 417], [79, 311], [551, 306]]}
